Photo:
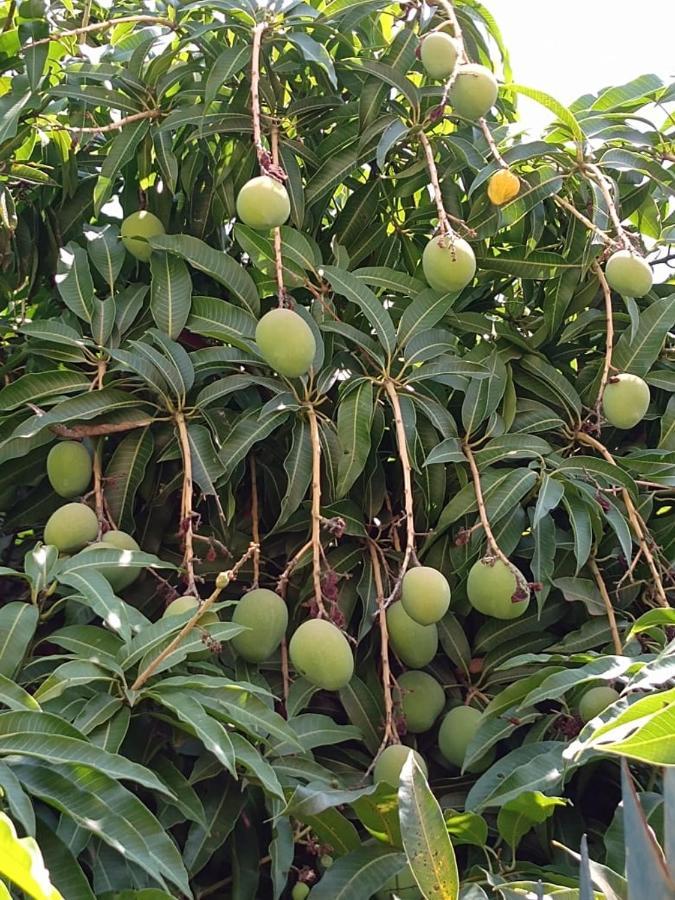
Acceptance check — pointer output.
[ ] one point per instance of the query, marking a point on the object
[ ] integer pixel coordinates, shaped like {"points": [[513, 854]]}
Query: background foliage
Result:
{"points": [[217, 778]]}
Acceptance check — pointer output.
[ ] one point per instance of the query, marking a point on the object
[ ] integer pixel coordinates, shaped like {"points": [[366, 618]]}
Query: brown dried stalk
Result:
{"points": [[316, 510], [186, 514], [390, 735], [255, 522], [492, 144], [611, 618], [609, 339]]}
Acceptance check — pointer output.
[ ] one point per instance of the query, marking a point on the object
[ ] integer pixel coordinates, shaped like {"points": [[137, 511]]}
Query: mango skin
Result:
{"points": [[69, 469], [266, 614], [629, 274], [263, 203], [321, 652], [119, 577], [457, 729], [285, 342], [137, 229], [71, 527], [473, 92], [625, 400], [414, 644], [503, 186], [595, 701], [439, 54], [425, 594], [490, 589], [391, 760], [422, 700], [448, 265]]}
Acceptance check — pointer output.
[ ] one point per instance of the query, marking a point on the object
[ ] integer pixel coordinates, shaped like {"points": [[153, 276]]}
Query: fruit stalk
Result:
{"points": [[443, 222], [222, 582], [390, 731], [255, 523], [255, 87], [565, 204], [278, 259], [402, 445], [186, 523], [316, 510], [496, 155], [609, 339], [611, 618], [456, 28], [636, 522], [599, 179]]}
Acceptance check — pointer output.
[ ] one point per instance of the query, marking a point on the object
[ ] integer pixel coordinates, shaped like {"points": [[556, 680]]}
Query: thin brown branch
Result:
{"points": [[9, 19], [186, 515], [114, 126], [457, 29], [390, 731], [599, 178], [222, 582], [639, 529], [81, 431], [278, 258], [282, 582], [444, 217], [255, 85], [98, 455], [565, 204], [492, 545], [609, 339], [401, 442], [316, 510], [492, 144], [103, 26], [611, 618]]}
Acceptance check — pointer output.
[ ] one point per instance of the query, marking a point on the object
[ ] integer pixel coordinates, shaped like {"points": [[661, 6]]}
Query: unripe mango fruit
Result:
{"points": [[454, 736], [286, 342], [595, 701], [625, 400], [491, 586], [439, 54], [425, 594], [321, 652], [473, 92], [69, 468], [71, 527], [263, 203], [136, 231], [265, 614], [402, 886], [119, 576], [414, 644], [422, 700], [189, 604], [391, 761], [300, 891], [503, 186], [448, 264], [629, 274]]}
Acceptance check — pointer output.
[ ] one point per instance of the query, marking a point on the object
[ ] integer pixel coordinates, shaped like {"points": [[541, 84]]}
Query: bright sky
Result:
{"points": [[575, 47]]}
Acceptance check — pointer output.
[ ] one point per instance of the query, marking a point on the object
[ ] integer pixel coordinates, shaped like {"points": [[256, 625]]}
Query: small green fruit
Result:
{"points": [[263, 203], [300, 891], [414, 644], [629, 274], [425, 594], [391, 761], [454, 736], [402, 886], [119, 576], [625, 400], [448, 265], [595, 701], [491, 587], [69, 468], [71, 527], [266, 615], [286, 342], [136, 231], [439, 54], [326, 861], [473, 92], [422, 700], [321, 652]]}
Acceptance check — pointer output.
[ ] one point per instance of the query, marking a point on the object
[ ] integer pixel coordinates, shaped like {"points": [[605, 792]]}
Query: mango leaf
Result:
{"points": [[519, 815], [354, 418], [170, 293], [18, 622], [359, 874], [21, 863], [74, 282]]}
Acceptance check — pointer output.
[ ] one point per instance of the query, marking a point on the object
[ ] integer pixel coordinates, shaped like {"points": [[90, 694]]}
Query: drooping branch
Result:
{"points": [[186, 514], [492, 144], [114, 126], [611, 618], [390, 735], [492, 545], [255, 522], [409, 554], [638, 526], [609, 339], [444, 217], [599, 179], [104, 26], [222, 582], [316, 510]]}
